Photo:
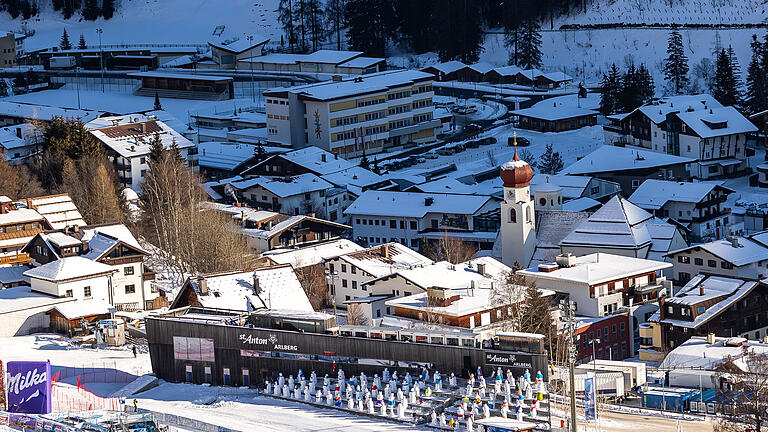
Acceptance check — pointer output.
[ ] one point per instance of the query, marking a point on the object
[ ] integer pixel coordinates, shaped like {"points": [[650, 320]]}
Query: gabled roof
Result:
{"points": [[68, 268], [506, 70], [239, 45], [654, 194], [717, 122], [609, 159], [314, 159], [446, 67], [481, 67], [454, 276], [329, 56], [713, 287], [311, 255], [278, 288], [84, 308], [617, 224], [414, 204], [385, 259], [134, 139], [294, 185], [572, 186], [657, 111], [746, 251]]}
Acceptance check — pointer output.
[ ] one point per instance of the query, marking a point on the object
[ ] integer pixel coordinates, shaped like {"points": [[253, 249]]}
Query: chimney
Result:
{"points": [[428, 201], [384, 250], [75, 228], [701, 290], [336, 78], [256, 284], [710, 338], [735, 242], [202, 284], [565, 260], [440, 297], [323, 158], [481, 268], [662, 313], [18, 132], [335, 155], [133, 148], [66, 230], [143, 127]]}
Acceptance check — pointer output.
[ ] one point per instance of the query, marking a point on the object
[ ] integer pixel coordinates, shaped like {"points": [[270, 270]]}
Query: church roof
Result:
{"points": [[617, 224]]}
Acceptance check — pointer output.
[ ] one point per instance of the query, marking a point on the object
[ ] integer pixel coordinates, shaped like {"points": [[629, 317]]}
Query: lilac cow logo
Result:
{"points": [[29, 387]]}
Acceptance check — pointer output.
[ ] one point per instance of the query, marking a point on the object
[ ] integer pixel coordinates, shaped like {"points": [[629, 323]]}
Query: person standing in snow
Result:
{"points": [[134, 351]]}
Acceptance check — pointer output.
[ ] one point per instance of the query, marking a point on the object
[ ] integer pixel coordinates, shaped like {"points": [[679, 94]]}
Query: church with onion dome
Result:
{"points": [[518, 219]]}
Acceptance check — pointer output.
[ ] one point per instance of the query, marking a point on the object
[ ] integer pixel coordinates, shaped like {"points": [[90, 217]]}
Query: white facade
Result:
{"points": [[518, 227], [90, 288]]}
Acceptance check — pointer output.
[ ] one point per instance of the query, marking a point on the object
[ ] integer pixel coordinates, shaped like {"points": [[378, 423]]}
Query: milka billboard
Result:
{"points": [[29, 387]]}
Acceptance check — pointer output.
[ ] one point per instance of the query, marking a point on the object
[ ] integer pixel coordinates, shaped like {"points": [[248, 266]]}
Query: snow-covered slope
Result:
{"points": [[154, 21], [710, 12]]}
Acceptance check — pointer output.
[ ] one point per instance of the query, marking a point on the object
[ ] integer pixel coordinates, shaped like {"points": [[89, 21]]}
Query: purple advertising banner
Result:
{"points": [[29, 387]]}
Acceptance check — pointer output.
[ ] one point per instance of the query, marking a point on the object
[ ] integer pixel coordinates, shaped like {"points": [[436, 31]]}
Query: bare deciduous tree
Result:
{"points": [[93, 187], [748, 392], [449, 249], [312, 278], [510, 291], [356, 315], [194, 240]]}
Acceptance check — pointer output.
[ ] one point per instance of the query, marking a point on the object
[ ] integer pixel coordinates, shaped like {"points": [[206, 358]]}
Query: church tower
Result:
{"points": [[518, 222]]}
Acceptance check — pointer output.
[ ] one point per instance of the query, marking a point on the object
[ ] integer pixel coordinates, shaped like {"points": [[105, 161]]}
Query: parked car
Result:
{"points": [[446, 151], [431, 155], [521, 141], [472, 144], [488, 141]]}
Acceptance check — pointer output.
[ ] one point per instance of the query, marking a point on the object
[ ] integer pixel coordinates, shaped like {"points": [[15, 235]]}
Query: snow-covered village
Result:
{"points": [[383, 215]]}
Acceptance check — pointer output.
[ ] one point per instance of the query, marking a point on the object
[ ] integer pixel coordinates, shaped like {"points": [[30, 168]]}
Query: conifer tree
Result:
{"points": [[81, 45], [91, 10], [755, 99], [64, 43], [334, 16], [107, 8], [550, 161], [676, 63], [156, 149], [724, 87], [610, 88], [530, 45], [285, 13], [157, 107], [536, 316]]}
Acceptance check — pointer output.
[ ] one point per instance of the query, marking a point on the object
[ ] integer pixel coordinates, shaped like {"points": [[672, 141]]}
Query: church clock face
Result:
{"points": [[511, 193]]}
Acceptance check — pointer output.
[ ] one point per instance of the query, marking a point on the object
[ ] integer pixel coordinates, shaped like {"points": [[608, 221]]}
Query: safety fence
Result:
{"points": [[69, 399]]}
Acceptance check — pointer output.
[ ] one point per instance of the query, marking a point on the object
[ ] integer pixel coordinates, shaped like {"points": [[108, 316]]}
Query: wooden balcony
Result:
{"points": [[20, 258]]}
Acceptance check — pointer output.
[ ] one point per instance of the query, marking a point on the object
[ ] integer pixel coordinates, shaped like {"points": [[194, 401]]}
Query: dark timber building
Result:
{"points": [[230, 348]]}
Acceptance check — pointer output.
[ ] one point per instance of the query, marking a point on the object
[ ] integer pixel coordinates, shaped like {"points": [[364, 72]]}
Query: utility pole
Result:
{"points": [[250, 60], [567, 307], [101, 58]]}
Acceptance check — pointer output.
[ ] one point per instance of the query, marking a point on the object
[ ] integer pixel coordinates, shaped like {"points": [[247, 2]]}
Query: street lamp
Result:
{"points": [[101, 58], [331, 277], [250, 60], [568, 308]]}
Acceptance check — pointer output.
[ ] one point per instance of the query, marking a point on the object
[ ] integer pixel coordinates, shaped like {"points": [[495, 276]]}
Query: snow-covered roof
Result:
{"points": [[760, 237], [58, 210], [697, 353], [74, 267], [84, 308], [455, 276], [385, 259], [279, 289], [314, 159], [653, 194], [223, 155], [296, 185], [357, 176], [239, 45], [612, 159], [747, 252], [134, 139], [657, 111], [717, 122], [618, 223], [597, 268], [61, 239], [13, 274], [552, 111], [20, 215], [30, 135], [357, 85], [572, 186], [481, 67], [447, 67], [414, 204], [22, 298], [713, 287], [330, 56], [43, 112], [311, 255], [175, 75], [580, 204], [507, 70], [361, 62], [116, 231]]}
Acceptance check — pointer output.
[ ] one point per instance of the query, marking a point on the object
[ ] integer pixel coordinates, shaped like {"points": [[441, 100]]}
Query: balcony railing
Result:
{"points": [[19, 258]]}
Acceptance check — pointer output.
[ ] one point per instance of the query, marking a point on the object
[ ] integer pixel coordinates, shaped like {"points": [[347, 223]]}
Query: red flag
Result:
{"points": [[78, 381]]}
